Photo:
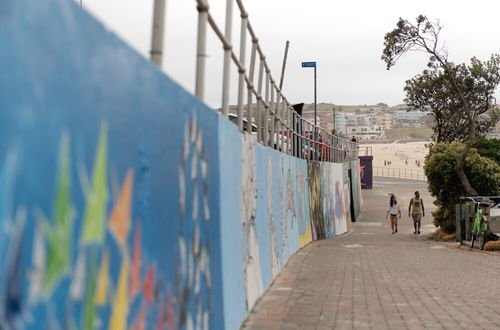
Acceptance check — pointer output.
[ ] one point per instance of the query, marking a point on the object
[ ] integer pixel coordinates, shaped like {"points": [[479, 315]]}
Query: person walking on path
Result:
{"points": [[395, 211], [417, 211]]}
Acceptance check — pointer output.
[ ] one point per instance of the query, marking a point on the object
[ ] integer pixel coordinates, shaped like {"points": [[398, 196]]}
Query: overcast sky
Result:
{"points": [[344, 37]]}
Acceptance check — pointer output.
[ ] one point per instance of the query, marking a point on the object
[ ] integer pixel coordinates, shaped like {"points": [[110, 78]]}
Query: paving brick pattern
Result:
{"points": [[371, 279]]}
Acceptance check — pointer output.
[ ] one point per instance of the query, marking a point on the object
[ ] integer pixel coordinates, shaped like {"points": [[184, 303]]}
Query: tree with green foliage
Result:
{"points": [[489, 148], [460, 96], [444, 184]]}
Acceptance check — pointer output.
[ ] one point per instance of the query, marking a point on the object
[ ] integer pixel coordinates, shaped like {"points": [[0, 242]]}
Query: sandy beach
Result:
{"points": [[400, 154]]}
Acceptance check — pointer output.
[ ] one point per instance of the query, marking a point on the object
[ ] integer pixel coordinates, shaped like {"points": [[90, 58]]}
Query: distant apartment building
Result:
{"points": [[326, 122], [341, 123], [409, 118], [365, 132], [385, 121]]}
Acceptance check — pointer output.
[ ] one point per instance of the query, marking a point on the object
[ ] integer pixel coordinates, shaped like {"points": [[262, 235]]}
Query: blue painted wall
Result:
{"points": [[79, 111], [125, 202]]}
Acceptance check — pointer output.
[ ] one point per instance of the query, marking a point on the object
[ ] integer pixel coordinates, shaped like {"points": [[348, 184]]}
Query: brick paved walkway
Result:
{"points": [[371, 279]]}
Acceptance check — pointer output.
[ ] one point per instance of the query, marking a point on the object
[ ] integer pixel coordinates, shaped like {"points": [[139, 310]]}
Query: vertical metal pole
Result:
{"points": [[330, 149], [284, 64], [315, 124], [281, 126], [260, 117], [277, 119], [294, 128], [289, 129], [284, 131], [227, 62], [202, 48], [272, 139], [334, 126], [251, 88], [241, 85], [300, 140], [157, 33], [266, 110]]}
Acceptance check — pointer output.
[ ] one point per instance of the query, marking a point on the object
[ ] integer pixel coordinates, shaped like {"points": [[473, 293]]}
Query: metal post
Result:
{"points": [[284, 128], [315, 124], [202, 48], [281, 129], [271, 115], [266, 111], [290, 129], [334, 124], [294, 129], [157, 33], [250, 87], [284, 65], [241, 86], [260, 117], [227, 62], [330, 149], [277, 120], [284, 138]]}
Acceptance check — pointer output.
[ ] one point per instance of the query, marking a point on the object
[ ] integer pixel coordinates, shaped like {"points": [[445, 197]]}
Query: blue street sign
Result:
{"points": [[308, 64]]}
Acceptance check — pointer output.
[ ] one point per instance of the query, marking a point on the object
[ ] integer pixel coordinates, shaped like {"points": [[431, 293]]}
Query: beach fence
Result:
{"points": [[365, 150], [400, 173]]}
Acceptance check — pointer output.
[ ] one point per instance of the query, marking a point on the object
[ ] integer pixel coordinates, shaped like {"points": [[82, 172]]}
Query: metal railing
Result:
{"points": [[277, 124], [400, 173], [365, 151]]}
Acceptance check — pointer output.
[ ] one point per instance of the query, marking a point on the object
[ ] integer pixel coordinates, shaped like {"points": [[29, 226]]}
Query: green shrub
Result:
{"points": [[444, 184], [489, 148]]}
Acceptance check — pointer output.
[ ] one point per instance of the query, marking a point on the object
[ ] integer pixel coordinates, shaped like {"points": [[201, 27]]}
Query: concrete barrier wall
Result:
{"points": [[271, 205], [356, 188], [125, 202]]}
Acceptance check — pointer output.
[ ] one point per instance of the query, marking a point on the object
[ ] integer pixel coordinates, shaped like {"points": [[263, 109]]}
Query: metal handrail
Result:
{"points": [[275, 119], [400, 173]]}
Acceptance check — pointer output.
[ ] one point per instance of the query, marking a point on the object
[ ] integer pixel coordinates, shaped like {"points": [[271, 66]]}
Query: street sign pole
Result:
{"points": [[315, 112], [315, 136]]}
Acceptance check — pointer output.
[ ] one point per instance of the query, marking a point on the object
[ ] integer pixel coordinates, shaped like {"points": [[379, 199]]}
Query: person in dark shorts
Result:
{"points": [[417, 211], [395, 211]]}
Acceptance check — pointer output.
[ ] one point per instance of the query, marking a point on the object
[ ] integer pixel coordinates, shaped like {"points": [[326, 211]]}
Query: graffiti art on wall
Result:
{"points": [[107, 205], [302, 201], [105, 277], [251, 267], [287, 209], [274, 258], [318, 226], [347, 192], [193, 263], [333, 200], [110, 190], [327, 193], [366, 171]]}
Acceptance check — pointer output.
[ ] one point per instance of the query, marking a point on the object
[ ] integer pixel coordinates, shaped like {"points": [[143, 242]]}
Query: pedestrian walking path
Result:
{"points": [[372, 279]]}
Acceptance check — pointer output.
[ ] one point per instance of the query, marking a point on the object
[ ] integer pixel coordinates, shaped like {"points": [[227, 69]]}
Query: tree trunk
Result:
{"points": [[459, 169], [459, 166]]}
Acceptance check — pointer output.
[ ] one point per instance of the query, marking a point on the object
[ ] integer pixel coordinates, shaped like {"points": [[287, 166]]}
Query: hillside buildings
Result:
{"points": [[367, 122]]}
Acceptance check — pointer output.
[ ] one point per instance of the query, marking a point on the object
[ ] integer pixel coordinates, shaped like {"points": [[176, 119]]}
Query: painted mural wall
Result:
{"points": [[366, 171], [125, 202], [357, 198], [271, 206], [109, 182]]}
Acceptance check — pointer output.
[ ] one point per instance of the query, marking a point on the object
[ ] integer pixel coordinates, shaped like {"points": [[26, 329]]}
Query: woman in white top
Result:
{"points": [[395, 211]]}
